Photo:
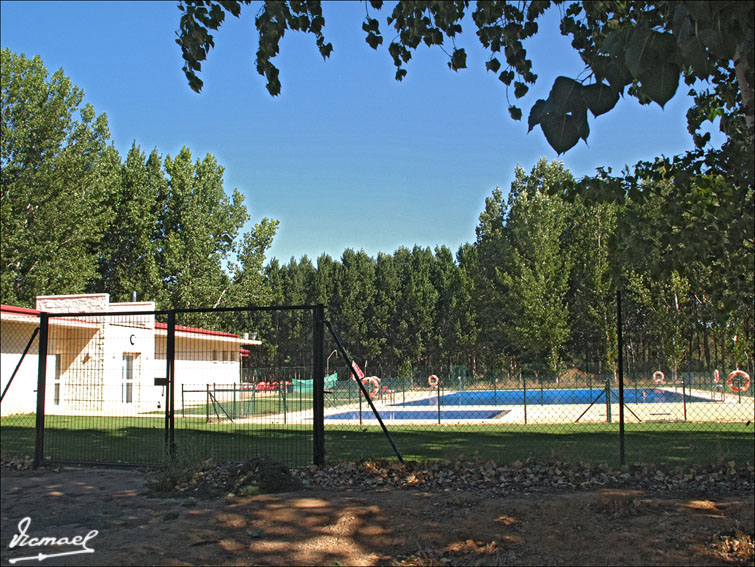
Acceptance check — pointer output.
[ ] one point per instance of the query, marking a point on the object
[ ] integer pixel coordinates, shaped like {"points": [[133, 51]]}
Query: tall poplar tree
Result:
{"points": [[128, 249], [197, 228], [535, 272], [58, 170]]}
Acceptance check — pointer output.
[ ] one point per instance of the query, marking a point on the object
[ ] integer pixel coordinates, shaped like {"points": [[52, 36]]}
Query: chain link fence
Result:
{"points": [[133, 387], [696, 417], [18, 379]]}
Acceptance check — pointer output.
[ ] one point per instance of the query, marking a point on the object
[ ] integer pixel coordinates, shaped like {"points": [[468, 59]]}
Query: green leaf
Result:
{"points": [[639, 55], [682, 25], [373, 40], [516, 113], [583, 127], [327, 49], [493, 65], [562, 131], [660, 83], [458, 60], [566, 96], [615, 42], [694, 55], [613, 70], [700, 11], [371, 25], [719, 43], [665, 46], [506, 77], [599, 98], [537, 112], [520, 89]]}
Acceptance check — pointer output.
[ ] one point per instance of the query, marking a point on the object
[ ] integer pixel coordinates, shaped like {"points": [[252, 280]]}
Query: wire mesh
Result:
{"points": [[18, 382], [107, 397], [101, 402], [691, 418], [243, 386], [234, 397]]}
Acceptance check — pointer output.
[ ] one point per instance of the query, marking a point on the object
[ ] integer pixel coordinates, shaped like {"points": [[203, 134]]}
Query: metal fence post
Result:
{"points": [[620, 341], [39, 441], [318, 382], [170, 367], [609, 418]]}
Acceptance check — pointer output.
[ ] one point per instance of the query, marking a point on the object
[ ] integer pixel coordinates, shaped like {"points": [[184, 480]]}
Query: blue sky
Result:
{"points": [[345, 157]]}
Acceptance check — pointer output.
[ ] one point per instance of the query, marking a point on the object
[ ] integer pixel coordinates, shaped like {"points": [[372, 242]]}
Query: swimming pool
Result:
{"points": [[389, 414], [552, 397]]}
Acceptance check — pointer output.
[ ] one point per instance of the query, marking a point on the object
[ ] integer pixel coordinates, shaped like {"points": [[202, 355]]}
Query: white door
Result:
{"points": [[127, 374], [57, 385]]}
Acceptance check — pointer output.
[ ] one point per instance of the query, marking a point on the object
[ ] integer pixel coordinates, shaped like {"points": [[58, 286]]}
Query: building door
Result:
{"points": [[57, 381], [127, 386]]}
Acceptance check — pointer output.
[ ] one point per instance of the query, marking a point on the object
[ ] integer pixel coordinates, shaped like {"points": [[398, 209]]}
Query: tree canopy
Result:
{"points": [[536, 291], [639, 49], [76, 218], [58, 172]]}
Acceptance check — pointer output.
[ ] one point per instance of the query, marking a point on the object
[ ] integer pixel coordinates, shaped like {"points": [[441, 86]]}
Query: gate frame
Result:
{"points": [[318, 370]]}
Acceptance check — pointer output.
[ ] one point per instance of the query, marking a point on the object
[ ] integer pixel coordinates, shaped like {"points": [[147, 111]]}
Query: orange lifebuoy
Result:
{"points": [[432, 380], [658, 377], [716, 376], [375, 381], [742, 385]]}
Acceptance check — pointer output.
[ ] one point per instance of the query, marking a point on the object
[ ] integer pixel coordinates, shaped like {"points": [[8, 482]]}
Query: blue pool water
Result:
{"points": [[388, 415], [551, 397]]}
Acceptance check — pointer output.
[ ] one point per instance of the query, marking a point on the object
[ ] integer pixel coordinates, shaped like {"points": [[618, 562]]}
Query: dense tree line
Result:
{"points": [[536, 289]]}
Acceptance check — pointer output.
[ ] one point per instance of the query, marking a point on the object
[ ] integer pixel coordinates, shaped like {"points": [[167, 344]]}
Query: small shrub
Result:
{"points": [[177, 471]]}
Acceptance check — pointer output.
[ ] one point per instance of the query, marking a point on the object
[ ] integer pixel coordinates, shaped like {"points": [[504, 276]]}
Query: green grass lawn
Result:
{"points": [[142, 441], [673, 444]]}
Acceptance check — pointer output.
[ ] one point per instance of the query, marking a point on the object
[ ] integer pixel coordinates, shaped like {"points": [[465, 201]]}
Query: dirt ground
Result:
{"points": [[381, 526]]}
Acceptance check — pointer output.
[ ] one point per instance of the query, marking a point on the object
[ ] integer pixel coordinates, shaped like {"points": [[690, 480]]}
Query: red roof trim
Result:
{"points": [[19, 310], [164, 326], [33, 312]]}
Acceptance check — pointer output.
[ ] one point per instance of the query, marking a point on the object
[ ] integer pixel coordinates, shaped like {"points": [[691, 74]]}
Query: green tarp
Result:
{"points": [[306, 385]]}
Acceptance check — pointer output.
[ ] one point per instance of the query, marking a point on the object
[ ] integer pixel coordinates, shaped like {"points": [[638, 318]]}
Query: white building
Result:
{"points": [[108, 364]]}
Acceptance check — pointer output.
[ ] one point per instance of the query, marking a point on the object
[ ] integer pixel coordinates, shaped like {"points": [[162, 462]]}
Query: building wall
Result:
{"points": [[134, 337], [87, 364], [76, 369], [90, 303], [200, 362]]}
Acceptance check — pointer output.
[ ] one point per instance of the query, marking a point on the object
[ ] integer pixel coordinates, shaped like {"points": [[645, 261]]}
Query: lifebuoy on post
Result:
{"points": [[716, 376], [658, 377], [432, 380], [373, 382], [743, 385]]}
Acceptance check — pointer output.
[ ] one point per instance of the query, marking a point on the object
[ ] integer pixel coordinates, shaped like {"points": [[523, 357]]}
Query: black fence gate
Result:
{"points": [[134, 387]]}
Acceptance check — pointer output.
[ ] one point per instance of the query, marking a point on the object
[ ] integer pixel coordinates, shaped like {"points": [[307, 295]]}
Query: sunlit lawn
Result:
{"points": [[139, 440]]}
